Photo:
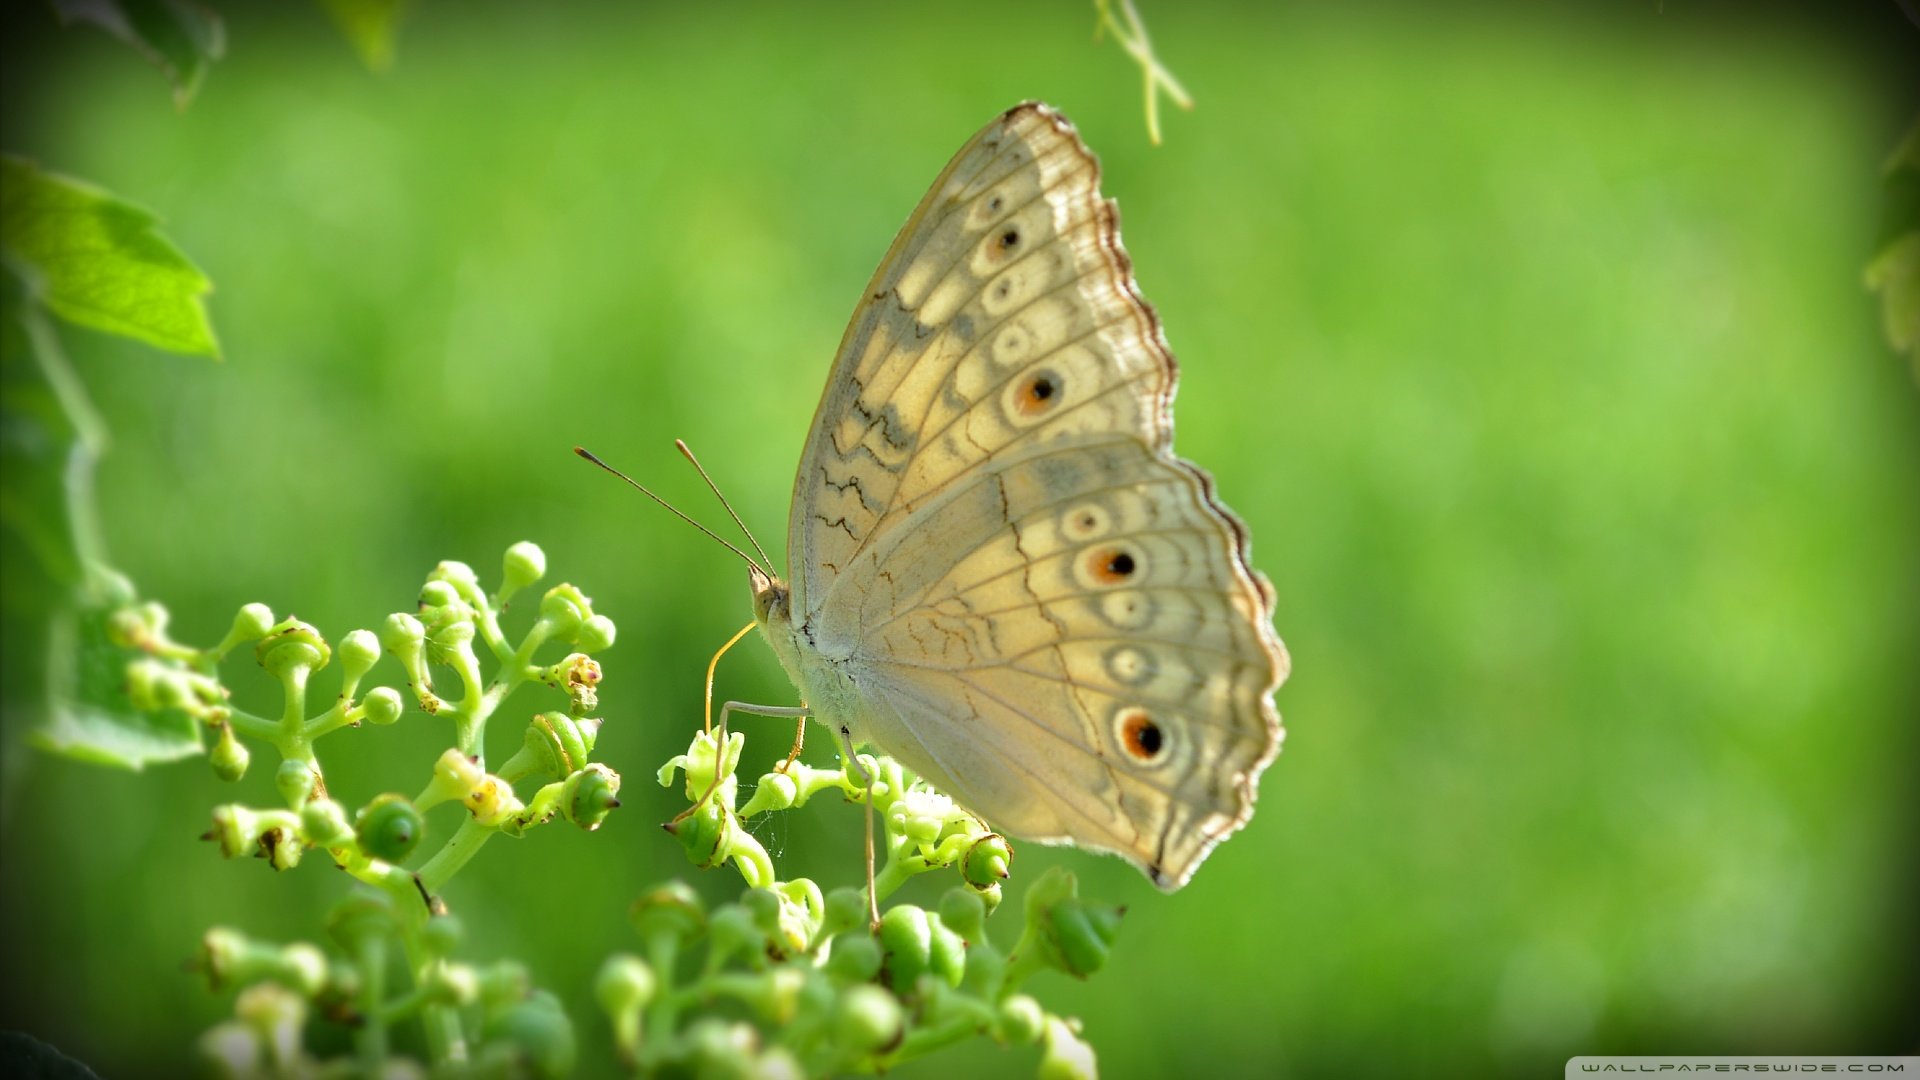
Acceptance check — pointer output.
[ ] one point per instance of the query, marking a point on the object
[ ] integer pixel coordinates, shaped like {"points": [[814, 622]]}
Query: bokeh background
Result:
{"points": [[1529, 340]]}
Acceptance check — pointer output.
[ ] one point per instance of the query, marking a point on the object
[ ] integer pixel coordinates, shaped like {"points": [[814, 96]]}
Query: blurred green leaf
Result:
{"points": [[63, 678], [1894, 272], [181, 38], [370, 26], [88, 715], [98, 261]]}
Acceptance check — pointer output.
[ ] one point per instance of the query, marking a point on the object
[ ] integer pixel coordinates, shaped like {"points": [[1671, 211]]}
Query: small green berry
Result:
{"points": [[561, 743], [439, 594], [389, 827], [855, 959], [590, 795], [964, 913], [986, 861], [452, 984], [251, 623]]}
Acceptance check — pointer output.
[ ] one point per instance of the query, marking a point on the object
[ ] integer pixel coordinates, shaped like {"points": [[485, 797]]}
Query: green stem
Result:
{"points": [[370, 1038], [441, 1023], [258, 727], [453, 855]]}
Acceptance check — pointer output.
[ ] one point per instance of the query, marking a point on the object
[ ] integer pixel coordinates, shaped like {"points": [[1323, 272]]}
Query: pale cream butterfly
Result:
{"points": [[1002, 577]]}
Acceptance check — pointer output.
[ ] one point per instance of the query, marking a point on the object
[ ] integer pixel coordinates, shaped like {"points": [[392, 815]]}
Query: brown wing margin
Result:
{"points": [[1254, 584]]}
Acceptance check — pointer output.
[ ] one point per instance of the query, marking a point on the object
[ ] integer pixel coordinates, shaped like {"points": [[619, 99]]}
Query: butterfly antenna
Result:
{"points": [[642, 488], [715, 488]]}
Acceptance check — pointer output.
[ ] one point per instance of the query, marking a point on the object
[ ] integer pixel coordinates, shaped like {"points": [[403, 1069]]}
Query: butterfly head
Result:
{"points": [[769, 597]]}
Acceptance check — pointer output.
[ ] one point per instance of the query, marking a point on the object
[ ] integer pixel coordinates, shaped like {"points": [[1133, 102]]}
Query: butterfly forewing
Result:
{"points": [[1034, 603]]}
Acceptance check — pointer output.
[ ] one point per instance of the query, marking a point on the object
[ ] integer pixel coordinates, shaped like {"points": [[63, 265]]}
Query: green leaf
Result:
{"points": [[60, 676], [1894, 272], [98, 261], [183, 39], [88, 714], [370, 27]]}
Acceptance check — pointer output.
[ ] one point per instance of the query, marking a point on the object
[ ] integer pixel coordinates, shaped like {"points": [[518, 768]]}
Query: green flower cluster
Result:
{"points": [[467, 1013], [828, 990]]}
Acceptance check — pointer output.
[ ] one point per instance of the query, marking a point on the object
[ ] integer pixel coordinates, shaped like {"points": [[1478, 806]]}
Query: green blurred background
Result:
{"points": [[1530, 341]]}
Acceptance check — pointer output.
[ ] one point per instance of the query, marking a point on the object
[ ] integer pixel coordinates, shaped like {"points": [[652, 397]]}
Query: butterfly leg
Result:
{"points": [[866, 778], [799, 740]]}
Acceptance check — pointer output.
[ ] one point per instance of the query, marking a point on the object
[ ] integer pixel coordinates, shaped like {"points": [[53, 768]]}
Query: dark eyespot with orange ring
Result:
{"points": [[1009, 239], [1038, 393], [1111, 565], [1141, 736]]}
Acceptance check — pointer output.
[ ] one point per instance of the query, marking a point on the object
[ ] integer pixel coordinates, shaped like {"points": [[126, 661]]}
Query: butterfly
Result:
{"points": [[1002, 577]]}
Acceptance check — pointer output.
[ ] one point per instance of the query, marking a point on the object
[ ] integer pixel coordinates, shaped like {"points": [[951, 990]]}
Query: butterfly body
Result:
{"points": [[1003, 578]]}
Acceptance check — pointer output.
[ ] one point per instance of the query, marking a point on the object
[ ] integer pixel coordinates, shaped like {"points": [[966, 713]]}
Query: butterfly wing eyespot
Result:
{"points": [[1001, 573]]}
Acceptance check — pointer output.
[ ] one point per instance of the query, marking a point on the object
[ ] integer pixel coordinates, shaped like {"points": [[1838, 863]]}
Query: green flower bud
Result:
{"points": [[231, 1050], [846, 908], [451, 984], [986, 861], [564, 608], [292, 645], [595, 634], [465, 582], [540, 1037], [232, 829], [916, 943], [775, 791], [625, 983], [504, 982], [590, 795], [1064, 1055], [991, 896], [1083, 934], [524, 564], [1021, 1020], [735, 933], [297, 780], [359, 917], [382, 705], [406, 639], [402, 633], [706, 834], [720, 1048], [855, 958], [1071, 934], [962, 911], [229, 755], [251, 623], [323, 823], [222, 951], [561, 744], [438, 595], [389, 827], [867, 1019], [671, 911], [359, 651], [442, 934]]}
